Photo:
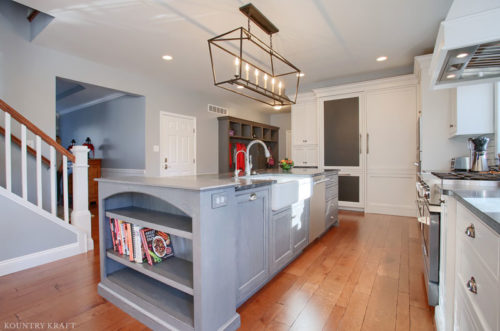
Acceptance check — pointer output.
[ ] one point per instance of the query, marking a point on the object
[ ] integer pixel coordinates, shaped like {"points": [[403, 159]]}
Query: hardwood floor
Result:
{"points": [[364, 275]]}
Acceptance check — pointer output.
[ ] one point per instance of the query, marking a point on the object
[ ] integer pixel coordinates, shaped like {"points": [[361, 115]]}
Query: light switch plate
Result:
{"points": [[156, 148], [219, 200]]}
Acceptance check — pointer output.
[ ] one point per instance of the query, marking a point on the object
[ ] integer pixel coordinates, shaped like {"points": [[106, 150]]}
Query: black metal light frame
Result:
{"points": [[260, 93]]}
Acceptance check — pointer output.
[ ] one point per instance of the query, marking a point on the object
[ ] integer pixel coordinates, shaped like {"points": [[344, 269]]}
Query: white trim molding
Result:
{"points": [[36, 259], [370, 85]]}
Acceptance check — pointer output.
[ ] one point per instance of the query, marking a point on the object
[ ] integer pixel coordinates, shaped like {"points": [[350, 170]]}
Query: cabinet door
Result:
{"points": [[252, 241], [351, 190], [391, 142], [281, 239], [304, 123], [342, 133], [305, 156], [300, 225], [474, 109]]}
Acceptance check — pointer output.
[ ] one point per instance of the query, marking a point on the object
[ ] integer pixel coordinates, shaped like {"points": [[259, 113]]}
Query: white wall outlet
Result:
{"points": [[219, 200], [156, 148]]}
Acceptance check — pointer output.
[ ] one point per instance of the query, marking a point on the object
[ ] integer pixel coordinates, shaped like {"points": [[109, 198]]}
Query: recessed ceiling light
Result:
{"points": [[301, 74], [462, 55], [277, 107], [450, 76], [167, 57], [239, 86], [381, 58]]}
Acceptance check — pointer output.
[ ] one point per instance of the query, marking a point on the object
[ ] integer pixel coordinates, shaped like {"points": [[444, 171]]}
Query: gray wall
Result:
{"points": [[29, 69], [25, 232], [117, 129], [284, 121]]}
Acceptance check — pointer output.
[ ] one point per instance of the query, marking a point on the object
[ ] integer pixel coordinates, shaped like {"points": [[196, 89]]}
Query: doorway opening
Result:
{"points": [[111, 122]]}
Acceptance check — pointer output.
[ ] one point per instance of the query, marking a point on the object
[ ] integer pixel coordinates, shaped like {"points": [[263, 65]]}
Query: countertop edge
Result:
{"points": [[488, 220]]}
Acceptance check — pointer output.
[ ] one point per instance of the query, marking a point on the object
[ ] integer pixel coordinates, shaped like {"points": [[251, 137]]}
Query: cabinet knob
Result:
{"points": [[253, 197], [451, 125], [471, 231], [472, 285], [332, 217]]}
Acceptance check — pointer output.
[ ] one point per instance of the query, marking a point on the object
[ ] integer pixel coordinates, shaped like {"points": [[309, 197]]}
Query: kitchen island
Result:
{"points": [[227, 244]]}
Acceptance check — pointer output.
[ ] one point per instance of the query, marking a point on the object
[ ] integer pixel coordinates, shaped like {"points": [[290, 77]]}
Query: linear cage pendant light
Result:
{"points": [[244, 64]]}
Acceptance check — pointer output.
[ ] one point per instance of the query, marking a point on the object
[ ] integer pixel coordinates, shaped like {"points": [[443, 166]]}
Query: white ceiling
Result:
{"points": [[326, 39]]}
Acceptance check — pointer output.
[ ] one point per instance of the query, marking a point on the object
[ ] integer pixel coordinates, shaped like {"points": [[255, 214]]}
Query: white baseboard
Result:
{"points": [[35, 259], [409, 211], [113, 172]]}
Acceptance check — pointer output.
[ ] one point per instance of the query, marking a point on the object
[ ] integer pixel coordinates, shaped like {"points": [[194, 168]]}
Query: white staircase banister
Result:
{"points": [[80, 216]]}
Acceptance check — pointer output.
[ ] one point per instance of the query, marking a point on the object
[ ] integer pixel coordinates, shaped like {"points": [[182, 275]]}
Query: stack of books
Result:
{"points": [[140, 244]]}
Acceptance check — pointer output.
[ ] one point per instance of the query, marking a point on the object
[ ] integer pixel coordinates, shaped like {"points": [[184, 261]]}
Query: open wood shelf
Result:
{"points": [[236, 130], [150, 292], [174, 271], [177, 225]]}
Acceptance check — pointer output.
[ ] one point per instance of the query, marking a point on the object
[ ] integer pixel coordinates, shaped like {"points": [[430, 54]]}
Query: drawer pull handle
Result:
{"points": [[253, 197], [471, 231], [472, 286]]}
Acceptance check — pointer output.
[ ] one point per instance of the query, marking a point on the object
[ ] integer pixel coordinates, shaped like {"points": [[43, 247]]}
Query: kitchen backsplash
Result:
{"points": [[492, 156]]}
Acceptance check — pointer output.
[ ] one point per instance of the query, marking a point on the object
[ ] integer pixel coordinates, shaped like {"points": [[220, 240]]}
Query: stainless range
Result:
{"points": [[429, 216]]}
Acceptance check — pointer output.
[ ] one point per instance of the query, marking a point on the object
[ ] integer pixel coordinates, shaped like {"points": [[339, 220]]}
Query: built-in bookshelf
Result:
{"points": [[165, 288], [234, 130]]}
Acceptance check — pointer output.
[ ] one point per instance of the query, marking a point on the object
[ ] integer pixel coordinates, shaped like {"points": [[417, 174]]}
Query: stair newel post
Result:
{"points": [[80, 216]]}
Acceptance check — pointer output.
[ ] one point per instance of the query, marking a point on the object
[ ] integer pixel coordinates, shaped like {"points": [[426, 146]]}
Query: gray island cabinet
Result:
{"points": [[195, 290], [227, 240]]}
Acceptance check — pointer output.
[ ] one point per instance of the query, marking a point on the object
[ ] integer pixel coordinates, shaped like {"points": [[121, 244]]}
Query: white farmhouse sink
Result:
{"points": [[288, 189]]}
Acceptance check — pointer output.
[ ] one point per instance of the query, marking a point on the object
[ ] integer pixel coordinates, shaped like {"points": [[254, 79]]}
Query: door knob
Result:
{"points": [[470, 231], [166, 159], [165, 166]]}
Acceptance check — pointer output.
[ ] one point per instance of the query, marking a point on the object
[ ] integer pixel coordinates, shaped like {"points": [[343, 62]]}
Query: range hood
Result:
{"points": [[467, 47]]}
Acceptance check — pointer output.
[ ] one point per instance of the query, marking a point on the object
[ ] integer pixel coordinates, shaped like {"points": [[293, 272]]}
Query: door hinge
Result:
{"points": [[194, 161], [194, 130]]}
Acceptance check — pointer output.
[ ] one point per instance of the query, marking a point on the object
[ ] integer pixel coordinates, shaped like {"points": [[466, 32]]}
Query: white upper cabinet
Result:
{"points": [[304, 122], [472, 110]]}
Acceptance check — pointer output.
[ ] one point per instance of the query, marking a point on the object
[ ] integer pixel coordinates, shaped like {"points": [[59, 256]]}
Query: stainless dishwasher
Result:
{"points": [[317, 224]]}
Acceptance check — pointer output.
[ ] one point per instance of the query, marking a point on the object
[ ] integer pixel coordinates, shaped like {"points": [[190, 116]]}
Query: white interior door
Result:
{"points": [[177, 145]]}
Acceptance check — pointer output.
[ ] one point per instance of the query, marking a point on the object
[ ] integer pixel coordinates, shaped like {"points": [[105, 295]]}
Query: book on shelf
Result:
{"points": [[157, 245], [140, 244]]}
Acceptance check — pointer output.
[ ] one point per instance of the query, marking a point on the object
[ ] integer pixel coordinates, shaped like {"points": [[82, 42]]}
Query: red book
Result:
{"points": [[129, 242], [145, 245], [118, 237]]}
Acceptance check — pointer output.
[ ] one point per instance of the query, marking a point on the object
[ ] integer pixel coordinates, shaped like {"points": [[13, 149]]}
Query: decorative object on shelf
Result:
{"points": [[286, 164], [249, 67], [231, 133], [73, 143], [88, 143]]}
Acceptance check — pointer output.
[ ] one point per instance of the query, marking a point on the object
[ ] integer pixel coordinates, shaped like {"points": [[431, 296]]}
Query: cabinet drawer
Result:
{"points": [[466, 320], [485, 301], [483, 241]]}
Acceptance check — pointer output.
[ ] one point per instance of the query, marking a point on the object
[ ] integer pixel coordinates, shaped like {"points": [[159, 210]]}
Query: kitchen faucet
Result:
{"points": [[248, 157], [236, 170]]}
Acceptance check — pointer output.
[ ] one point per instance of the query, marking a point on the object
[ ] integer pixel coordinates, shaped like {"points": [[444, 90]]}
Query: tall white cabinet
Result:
{"points": [[369, 132], [305, 131]]}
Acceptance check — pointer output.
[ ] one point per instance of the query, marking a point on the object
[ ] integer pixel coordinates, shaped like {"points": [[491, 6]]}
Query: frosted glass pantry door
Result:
{"points": [[343, 132]]}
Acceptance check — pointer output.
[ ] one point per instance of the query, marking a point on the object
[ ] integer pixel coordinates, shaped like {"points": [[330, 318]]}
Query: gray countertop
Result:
{"points": [[209, 182], [484, 202]]}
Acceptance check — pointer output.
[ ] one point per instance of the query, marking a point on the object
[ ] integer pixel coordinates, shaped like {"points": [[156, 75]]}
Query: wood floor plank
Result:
{"points": [[403, 312], [367, 273], [381, 310]]}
